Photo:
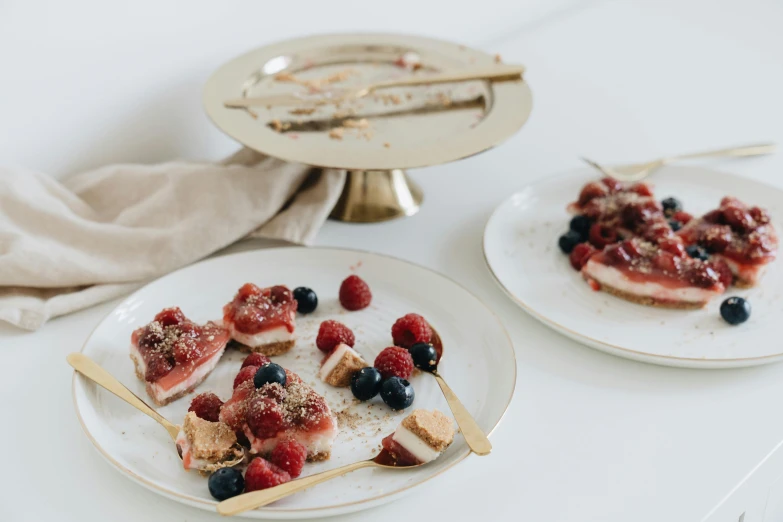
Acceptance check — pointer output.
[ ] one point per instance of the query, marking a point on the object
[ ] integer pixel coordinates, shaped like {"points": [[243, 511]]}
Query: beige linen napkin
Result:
{"points": [[68, 245]]}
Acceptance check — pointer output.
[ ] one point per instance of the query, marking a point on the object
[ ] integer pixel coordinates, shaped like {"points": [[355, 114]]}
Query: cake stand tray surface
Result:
{"points": [[377, 136]]}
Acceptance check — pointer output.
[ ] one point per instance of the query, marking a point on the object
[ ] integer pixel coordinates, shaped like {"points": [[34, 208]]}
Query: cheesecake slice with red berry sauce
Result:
{"points": [[275, 412], [262, 320], [655, 275], [743, 237], [173, 355]]}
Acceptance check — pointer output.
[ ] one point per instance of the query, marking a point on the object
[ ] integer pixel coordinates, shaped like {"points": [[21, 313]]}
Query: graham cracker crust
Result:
{"points": [[269, 350], [151, 390], [319, 457], [649, 301], [341, 375], [433, 427]]}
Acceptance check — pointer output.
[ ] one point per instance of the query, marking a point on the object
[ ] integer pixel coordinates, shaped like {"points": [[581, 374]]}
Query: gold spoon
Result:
{"points": [[640, 171], [474, 436], [256, 499], [495, 72], [93, 371]]}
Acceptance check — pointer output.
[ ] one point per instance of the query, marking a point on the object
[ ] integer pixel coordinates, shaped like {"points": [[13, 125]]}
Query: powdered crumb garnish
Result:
{"points": [[498, 58], [337, 133], [302, 111]]}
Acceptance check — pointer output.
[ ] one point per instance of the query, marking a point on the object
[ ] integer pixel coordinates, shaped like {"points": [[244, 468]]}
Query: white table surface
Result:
{"points": [[588, 436]]}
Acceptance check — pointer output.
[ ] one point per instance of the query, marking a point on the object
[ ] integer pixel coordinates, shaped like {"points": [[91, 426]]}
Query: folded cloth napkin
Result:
{"points": [[68, 245]]}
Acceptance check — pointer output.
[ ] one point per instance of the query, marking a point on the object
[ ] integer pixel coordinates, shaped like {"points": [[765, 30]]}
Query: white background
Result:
{"points": [[588, 436]]}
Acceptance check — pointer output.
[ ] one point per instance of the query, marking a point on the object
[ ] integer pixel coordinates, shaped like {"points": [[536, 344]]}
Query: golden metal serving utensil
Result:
{"points": [[93, 371], [474, 436], [639, 171], [496, 72], [256, 499]]}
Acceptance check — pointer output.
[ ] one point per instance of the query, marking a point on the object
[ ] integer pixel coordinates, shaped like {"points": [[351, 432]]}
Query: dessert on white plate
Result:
{"points": [[420, 438], [340, 364], [206, 445], [262, 320], [282, 408], [173, 355]]}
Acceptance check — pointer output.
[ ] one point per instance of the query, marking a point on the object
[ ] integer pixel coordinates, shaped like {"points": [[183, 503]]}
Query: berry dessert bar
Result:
{"points": [[173, 355], [339, 365], [206, 445], [740, 236], [421, 437], [262, 320], [275, 406], [645, 273]]}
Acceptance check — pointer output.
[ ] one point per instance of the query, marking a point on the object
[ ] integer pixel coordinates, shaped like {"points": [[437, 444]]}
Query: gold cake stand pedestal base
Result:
{"points": [[372, 196]]}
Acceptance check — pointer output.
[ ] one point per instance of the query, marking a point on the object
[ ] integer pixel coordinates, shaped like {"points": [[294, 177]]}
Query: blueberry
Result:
{"points": [[697, 252], [397, 393], [580, 225], [735, 310], [366, 383], [424, 356], [269, 373], [676, 225], [306, 300], [671, 205], [568, 241], [226, 483]]}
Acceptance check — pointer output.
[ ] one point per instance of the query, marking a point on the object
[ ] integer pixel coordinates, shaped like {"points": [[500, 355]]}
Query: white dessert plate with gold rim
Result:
{"points": [[478, 362], [520, 248]]}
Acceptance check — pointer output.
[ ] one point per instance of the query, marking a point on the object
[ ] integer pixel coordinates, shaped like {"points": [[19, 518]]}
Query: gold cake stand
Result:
{"points": [[374, 138]]}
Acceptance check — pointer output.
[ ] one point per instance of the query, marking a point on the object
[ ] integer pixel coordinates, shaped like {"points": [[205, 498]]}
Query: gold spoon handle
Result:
{"points": [[90, 369], [495, 72], [757, 149], [474, 436], [255, 499]]}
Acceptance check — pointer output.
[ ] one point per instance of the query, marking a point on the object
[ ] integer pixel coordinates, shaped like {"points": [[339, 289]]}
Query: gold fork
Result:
{"points": [[496, 72], [639, 171]]}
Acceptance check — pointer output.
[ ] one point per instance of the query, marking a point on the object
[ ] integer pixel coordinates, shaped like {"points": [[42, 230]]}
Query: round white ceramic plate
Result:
{"points": [[478, 363], [520, 246]]}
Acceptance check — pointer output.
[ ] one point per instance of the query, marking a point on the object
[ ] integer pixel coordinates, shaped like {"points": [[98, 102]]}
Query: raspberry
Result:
{"points": [[314, 414], [291, 377], [233, 411], [394, 361], [280, 294], [411, 329], [724, 272], [600, 235], [206, 406], [264, 417], [186, 350], [245, 374], [682, 216], [262, 474], [643, 189], [272, 390], [247, 291], [157, 366], [332, 333], [255, 359], [170, 316], [289, 456], [354, 293], [580, 255]]}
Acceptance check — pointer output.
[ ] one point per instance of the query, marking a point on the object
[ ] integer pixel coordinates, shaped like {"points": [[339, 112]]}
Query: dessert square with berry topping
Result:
{"points": [[421, 437], [204, 444], [338, 367], [650, 274], [741, 236], [274, 413], [173, 355], [262, 320]]}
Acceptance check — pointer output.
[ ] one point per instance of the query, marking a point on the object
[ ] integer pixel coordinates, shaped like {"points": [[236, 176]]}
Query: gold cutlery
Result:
{"points": [[474, 436], [93, 371], [496, 72], [639, 171], [256, 499]]}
